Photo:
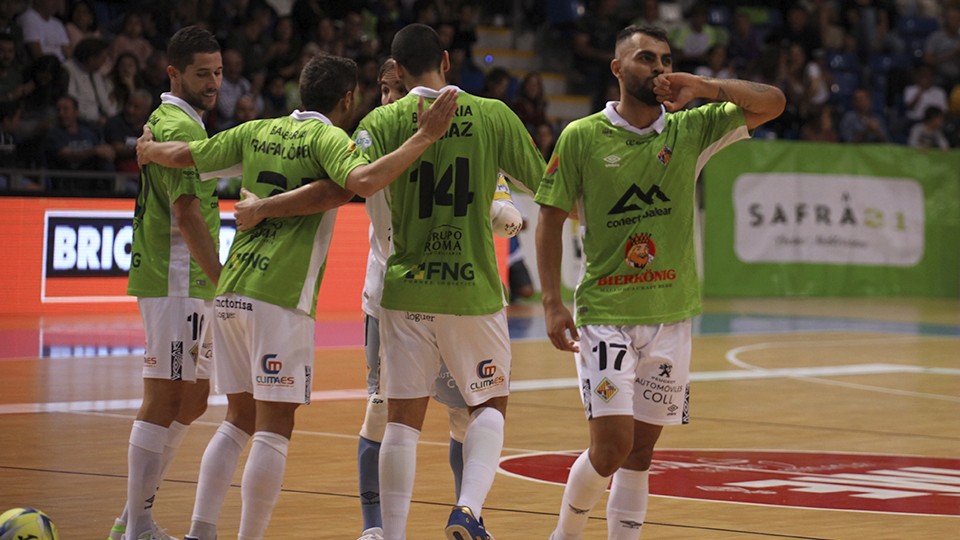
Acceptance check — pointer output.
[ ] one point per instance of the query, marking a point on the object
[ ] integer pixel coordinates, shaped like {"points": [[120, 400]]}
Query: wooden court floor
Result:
{"points": [[805, 380]]}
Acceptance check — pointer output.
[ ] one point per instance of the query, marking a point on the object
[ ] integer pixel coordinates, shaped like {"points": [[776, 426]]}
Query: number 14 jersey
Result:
{"points": [[443, 258]]}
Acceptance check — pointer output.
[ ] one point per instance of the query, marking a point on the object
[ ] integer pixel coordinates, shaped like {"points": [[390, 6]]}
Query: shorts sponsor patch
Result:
{"points": [[606, 390]]}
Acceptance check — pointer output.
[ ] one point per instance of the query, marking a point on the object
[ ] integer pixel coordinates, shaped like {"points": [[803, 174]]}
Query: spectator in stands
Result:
{"points": [[121, 132], [820, 127], [327, 38], [40, 106], [869, 22], [43, 33], [942, 49], [233, 86], [356, 41], [154, 74], [71, 146], [718, 64], [546, 138], [87, 84], [497, 84], [861, 124], [284, 49], [252, 41], [274, 97], [9, 9], [10, 158], [530, 103], [13, 87], [951, 125], [81, 23], [650, 16], [922, 94], [593, 47], [125, 78], [130, 38], [928, 134], [246, 109], [744, 45], [693, 40], [799, 29]]}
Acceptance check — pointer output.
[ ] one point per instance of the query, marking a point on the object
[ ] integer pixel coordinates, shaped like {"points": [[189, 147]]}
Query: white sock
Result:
{"points": [[584, 488], [398, 465], [175, 434], [627, 505], [481, 455], [261, 483], [216, 472], [144, 460]]}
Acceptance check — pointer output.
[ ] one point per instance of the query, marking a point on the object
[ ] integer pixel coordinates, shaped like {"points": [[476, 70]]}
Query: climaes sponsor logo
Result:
{"points": [[270, 368]]}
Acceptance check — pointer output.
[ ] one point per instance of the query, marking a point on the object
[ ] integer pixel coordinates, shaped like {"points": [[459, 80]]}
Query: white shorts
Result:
{"points": [[639, 371], [263, 349], [179, 340], [447, 391], [475, 349]]}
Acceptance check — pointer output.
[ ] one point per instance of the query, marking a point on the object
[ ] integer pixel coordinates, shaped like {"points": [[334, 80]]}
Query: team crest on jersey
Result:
{"points": [[364, 140], [554, 164], [606, 390], [664, 155], [639, 251]]}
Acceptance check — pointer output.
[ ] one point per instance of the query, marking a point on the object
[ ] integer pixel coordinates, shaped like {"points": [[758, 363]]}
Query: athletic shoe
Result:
{"points": [[373, 533], [156, 534], [462, 525], [116, 532]]}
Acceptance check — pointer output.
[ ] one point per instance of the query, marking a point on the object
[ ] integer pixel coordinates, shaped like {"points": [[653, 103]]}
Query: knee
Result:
{"points": [[609, 456]]}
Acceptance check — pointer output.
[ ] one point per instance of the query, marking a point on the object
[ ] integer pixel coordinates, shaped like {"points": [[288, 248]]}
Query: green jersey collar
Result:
{"points": [[301, 116], [168, 98], [611, 113]]}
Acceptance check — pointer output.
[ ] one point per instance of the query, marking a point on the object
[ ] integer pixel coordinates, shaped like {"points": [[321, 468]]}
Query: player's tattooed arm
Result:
{"points": [[760, 102]]}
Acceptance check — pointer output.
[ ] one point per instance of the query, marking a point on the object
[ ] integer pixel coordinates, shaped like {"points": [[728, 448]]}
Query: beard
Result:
{"points": [[197, 100], [641, 91]]}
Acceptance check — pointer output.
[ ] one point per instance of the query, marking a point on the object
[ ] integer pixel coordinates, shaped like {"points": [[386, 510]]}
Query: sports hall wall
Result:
{"points": [[780, 219]]}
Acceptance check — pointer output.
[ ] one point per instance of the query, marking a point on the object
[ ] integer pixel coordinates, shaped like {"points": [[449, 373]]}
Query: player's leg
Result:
{"points": [[282, 362], [407, 387], [219, 463], [448, 393], [371, 432], [606, 368], [476, 350], [661, 397]]}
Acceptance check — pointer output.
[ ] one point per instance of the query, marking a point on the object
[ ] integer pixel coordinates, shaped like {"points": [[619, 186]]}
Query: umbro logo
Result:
{"points": [[612, 161]]}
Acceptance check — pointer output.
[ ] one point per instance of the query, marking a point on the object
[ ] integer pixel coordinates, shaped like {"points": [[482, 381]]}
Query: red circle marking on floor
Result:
{"points": [[858, 482]]}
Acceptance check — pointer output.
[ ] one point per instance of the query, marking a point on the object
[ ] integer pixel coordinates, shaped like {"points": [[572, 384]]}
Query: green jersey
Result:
{"points": [[281, 261], [161, 262], [636, 194], [443, 258]]}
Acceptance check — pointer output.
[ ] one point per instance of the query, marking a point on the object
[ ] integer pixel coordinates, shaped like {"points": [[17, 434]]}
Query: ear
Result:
{"points": [[445, 62], [172, 72], [615, 67], [347, 101]]}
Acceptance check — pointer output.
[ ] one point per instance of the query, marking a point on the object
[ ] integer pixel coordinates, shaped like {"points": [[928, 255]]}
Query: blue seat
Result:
{"points": [[882, 62], [837, 61], [916, 26], [841, 91]]}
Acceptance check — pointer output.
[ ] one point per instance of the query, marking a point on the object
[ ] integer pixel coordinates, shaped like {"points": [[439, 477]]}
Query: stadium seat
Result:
{"points": [[916, 26], [839, 61]]}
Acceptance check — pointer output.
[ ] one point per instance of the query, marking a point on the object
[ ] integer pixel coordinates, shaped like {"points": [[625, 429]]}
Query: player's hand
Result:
{"points": [[675, 90], [435, 121], [559, 323], [245, 211], [143, 144]]}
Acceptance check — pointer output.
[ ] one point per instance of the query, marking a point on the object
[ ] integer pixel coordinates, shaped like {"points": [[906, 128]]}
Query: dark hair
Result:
{"points": [[325, 80], [655, 32], [9, 109], [94, 25], [932, 112], [188, 41], [417, 48], [88, 48]]}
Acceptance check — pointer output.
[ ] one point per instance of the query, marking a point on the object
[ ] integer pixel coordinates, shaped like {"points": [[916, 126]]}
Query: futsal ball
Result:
{"points": [[27, 524], [505, 219]]}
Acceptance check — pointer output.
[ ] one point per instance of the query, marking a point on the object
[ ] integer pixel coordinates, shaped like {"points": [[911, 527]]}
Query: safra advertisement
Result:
{"points": [[831, 220]]}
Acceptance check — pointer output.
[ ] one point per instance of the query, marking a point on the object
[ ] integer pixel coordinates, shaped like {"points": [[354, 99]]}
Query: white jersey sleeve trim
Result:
{"points": [[731, 137], [234, 170]]}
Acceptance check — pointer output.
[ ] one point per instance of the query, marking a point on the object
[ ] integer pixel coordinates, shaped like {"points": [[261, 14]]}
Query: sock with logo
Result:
{"points": [[261, 483], [368, 463], [627, 505], [584, 488], [217, 466], [144, 461]]}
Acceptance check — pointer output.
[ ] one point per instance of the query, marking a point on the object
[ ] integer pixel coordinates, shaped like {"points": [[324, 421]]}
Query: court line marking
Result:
{"points": [[748, 372], [733, 357]]}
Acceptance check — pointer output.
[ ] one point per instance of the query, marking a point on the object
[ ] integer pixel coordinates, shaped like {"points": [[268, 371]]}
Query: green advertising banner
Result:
{"points": [[793, 218]]}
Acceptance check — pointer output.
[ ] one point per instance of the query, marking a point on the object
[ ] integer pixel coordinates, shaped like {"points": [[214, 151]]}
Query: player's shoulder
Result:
{"points": [[170, 123], [587, 124]]}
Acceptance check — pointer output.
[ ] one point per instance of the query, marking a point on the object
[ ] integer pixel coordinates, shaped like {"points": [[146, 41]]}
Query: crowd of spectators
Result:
{"points": [[79, 77]]}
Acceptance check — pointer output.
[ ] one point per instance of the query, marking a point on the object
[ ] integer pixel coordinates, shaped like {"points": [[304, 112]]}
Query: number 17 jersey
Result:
{"points": [[443, 258]]}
